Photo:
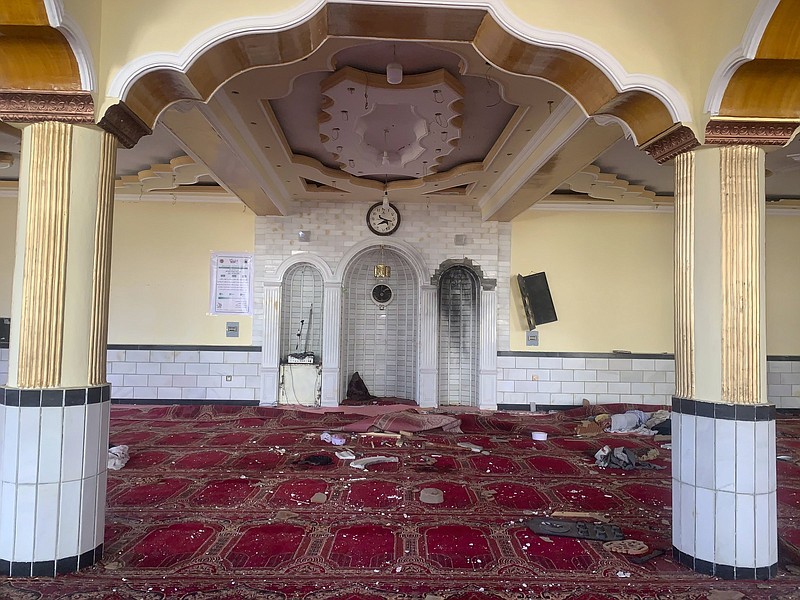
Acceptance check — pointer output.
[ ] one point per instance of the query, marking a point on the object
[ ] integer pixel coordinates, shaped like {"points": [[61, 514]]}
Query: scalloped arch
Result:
{"points": [[407, 250], [597, 81], [303, 257]]}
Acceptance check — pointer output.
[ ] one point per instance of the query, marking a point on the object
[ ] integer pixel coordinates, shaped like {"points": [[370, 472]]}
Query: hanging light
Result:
{"points": [[394, 70], [382, 270]]}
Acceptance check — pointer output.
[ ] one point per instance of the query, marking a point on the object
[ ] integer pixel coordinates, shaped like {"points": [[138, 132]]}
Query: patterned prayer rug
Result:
{"points": [[218, 503]]}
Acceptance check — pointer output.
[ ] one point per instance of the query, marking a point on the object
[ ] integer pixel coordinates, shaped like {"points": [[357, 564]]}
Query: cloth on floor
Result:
{"points": [[657, 418], [117, 457], [631, 421], [357, 390], [621, 458], [409, 420]]}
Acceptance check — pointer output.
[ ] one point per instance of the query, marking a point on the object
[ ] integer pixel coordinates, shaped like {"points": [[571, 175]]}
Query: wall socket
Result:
{"points": [[228, 377]]}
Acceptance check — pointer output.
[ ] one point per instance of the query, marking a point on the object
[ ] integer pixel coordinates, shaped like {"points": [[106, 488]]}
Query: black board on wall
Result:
{"points": [[536, 299]]}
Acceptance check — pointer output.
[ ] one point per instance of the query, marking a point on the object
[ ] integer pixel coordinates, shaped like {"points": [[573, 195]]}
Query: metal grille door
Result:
{"points": [[380, 341], [301, 299], [458, 338]]}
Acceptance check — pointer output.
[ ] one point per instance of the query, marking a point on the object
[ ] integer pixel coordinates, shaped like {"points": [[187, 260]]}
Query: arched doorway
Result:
{"points": [[379, 326], [459, 337]]}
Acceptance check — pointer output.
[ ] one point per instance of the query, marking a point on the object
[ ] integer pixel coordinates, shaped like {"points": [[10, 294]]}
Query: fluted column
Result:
{"points": [[55, 407], [271, 345], [487, 389], [331, 344], [723, 467], [428, 345]]}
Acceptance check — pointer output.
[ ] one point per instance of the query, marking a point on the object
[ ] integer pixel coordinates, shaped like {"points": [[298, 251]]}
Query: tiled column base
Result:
{"points": [[53, 459], [724, 511]]}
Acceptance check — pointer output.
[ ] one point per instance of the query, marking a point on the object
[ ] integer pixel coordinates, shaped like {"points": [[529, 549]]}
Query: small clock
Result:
{"points": [[383, 221], [382, 295]]}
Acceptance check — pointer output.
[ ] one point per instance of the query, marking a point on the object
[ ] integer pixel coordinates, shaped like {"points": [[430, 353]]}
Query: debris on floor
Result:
{"points": [[470, 446], [345, 455], [640, 560], [431, 496], [566, 514], [117, 457], [319, 498], [574, 529], [337, 439], [363, 463], [621, 458], [632, 547]]}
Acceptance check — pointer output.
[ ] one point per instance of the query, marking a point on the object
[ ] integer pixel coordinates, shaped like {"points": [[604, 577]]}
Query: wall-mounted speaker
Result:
{"points": [[536, 299], [5, 330]]}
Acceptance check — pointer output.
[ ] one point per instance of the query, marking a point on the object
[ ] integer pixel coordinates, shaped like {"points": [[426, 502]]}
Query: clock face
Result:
{"points": [[382, 294], [383, 221]]}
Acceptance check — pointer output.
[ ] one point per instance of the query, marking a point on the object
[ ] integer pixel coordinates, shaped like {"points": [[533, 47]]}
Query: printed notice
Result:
{"points": [[231, 284]]}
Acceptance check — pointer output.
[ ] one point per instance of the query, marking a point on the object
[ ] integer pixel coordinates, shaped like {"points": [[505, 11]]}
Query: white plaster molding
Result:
{"points": [[608, 186], [181, 170], [177, 197], [536, 142], [407, 250], [77, 41], [743, 53], [602, 59], [302, 257], [606, 120], [606, 207]]}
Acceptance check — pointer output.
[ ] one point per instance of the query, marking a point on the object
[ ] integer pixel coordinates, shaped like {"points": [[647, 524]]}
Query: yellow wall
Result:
{"points": [[610, 275], [160, 271], [783, 284], [8, 235]]}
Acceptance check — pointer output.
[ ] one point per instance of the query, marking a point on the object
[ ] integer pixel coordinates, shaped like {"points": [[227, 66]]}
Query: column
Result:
{"points": [[331, 340], [427, 383], [271, 344], [487, 388], [54, 411], [723, 441]]}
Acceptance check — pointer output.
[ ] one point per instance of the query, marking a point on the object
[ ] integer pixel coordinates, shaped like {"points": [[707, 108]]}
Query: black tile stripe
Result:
{"points": [[179, 348], [727, 412], [54, 397], [51, 568], [183, 401], [724, 571]]}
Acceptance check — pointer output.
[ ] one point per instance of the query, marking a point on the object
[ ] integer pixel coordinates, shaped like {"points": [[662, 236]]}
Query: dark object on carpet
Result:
{"points": [[357, 390], [663, 428], [640, 560], [316, 460], [574, 529]]}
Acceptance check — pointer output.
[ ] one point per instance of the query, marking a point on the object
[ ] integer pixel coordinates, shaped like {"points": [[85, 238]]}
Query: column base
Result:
{"points": [[54, 445], [724, 501], [724, 571], [51, 568]]}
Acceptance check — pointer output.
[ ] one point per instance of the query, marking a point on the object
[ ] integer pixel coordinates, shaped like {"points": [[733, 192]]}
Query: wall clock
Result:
{"points": [[382, 295], [383, 221]]}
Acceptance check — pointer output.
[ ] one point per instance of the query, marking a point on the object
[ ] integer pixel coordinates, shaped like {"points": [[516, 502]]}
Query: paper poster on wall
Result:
{"points": [[231, 284]]}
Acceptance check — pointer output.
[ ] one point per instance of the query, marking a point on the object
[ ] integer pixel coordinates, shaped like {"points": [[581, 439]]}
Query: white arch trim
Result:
{"points": [[622, 80], [299, 258], [77, 41], [738, 56], [407, 250]]}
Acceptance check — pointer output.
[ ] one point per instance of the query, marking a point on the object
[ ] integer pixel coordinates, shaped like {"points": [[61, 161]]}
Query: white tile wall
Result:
{"points": [[529, 379], [547, 380], [184, 374], [430, 228]]}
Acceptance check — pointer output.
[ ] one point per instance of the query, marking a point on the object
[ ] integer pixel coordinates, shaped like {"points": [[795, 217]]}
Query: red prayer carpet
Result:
{"points": [[216, 504]]}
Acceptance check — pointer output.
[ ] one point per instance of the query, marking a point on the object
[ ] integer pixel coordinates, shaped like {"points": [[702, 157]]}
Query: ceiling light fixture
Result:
{"points": [[6, 160], [394, 70]]}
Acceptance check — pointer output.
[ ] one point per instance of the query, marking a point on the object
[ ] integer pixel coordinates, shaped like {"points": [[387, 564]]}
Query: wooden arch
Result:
{"points": [[769, 85], [33, 55]]}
